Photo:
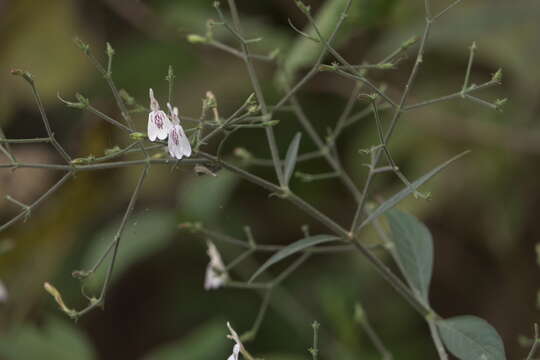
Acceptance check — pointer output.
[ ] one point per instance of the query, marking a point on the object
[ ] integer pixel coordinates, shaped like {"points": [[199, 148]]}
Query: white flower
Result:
{"points": [[216, 274], [235, 352], [178, 142], [3, 293], [158, 122], [238, 344]]}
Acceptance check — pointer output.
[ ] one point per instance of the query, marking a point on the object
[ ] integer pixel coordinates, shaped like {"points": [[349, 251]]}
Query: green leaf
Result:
{"points": [[204, 198], [57, 339], [414, 249], [471, 338], [207, 341], [290, 159], [390, 203], [145, 234], [292, 249]]}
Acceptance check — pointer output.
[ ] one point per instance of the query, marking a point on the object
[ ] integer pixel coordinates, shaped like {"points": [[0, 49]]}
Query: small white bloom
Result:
{"points": [[238, 344], [178, 142], [3, 293], [216, 274], [235, 352], [158, 122]]}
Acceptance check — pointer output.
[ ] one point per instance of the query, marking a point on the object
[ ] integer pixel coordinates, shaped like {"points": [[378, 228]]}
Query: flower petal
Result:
{"points": [[184, 141], [216, 274], [236, 351], [152, 128], [174, 144], [160, 123]]}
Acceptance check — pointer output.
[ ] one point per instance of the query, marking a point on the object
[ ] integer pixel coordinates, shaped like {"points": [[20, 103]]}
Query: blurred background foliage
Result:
{"points": [[483, 214]]}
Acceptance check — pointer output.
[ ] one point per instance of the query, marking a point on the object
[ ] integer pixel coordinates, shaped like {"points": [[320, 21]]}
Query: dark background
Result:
{"points": [[482, 215]]}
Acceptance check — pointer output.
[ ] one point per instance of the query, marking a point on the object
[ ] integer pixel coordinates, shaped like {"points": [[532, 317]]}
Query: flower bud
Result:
{"points": [[196, 39]]}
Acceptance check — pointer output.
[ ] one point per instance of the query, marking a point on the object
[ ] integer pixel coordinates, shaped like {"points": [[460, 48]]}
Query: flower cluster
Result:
{"points": [[160, 127]]}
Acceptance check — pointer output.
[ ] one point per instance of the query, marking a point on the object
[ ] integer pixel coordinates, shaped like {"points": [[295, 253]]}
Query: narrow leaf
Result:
{"points": [[292, 249], [390, 203], [471, 338], [290, 159], [414, 250]]}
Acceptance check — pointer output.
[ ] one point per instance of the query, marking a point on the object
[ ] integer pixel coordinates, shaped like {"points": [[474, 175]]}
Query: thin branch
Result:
{"points": [[445, 10], [108, 119], [224, 47], [362, 318], [323, 148], [42, 198], [314, 350], [315, 68], [368, 83], [443, 355], [469, 67], [115, 244], [456, 95], [30, 80], [25, 141], [536, 342], [107, 75], [102, 166], [258, 92], [383, 270], [395, 118]]}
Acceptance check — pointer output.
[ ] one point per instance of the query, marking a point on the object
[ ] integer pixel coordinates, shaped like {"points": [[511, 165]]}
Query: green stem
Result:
{"points": [[259, 94]]}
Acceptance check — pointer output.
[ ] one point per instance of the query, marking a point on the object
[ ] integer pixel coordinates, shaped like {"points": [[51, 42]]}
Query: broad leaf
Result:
{"points": [[58, 339], [205, 198], [414, 249], [207, 341], [390, 203], [471, 338], [145, 234], [290, 159], [292, 249]]}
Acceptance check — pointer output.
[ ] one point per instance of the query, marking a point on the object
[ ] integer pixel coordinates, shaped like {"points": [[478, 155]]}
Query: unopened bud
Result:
{"points": [[325, 67], [497, 77], [81, 45], [409, 42], [270, 123], [385, 66], [138, 136], [359, 313], [191, 226], [303, 7], [58, 298], [499, 103], [25, 74], [242, 153], [196, 39], [128, 99], [274, 53], [110, 50]]}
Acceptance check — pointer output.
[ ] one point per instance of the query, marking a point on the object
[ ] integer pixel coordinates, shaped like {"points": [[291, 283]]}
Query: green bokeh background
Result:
{"points": [[482, 216]]}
